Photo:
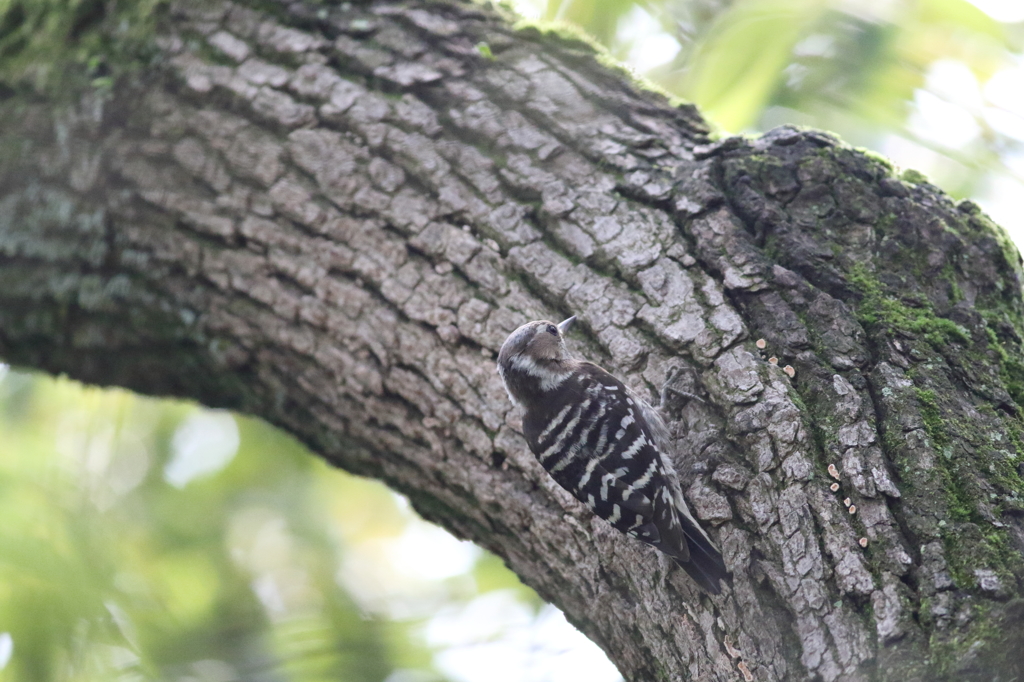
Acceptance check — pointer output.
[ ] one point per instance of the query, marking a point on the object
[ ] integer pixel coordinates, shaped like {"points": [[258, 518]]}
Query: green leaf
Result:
{"points": [[737, 66]]}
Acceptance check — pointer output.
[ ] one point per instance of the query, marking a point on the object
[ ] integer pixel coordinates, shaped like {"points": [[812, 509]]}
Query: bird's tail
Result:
{"points": [[705, 564]]}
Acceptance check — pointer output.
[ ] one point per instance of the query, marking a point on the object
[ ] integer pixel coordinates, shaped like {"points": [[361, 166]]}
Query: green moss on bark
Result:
{"points": [[879, 311], [59, 47]]}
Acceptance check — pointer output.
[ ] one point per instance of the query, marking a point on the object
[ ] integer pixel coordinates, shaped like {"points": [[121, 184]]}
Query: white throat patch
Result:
{"points": [[549, 380]]}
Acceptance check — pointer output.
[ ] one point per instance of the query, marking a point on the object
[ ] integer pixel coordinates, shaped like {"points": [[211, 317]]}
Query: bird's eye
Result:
{"points": [[552, 329]]}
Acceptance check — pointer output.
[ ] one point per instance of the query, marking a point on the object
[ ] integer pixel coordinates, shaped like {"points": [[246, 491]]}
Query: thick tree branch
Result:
{"points": [[331, 218]]}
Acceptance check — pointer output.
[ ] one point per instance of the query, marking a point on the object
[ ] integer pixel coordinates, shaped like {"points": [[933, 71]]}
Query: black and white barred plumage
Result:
{"points": [[605, 445]]}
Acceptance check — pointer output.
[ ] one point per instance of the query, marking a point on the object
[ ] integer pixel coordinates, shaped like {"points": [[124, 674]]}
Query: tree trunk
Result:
{"points": [[331, 217]]}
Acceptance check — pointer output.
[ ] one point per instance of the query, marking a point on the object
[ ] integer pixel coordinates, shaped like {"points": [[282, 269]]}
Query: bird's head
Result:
{"points": [[534, 358]]}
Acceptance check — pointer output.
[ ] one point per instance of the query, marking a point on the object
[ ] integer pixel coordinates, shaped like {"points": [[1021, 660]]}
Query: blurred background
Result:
{"points": [[156, 540], [937, 86], [145, 539]]}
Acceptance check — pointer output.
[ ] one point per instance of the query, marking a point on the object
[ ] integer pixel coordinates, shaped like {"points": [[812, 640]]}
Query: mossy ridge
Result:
{"points": [[948, 649], [883, 161], [570, 34], [576, 39], [1002, 310], [1004, 463], [880, 311], [914, 177], [913, 316], [971, 540], [1010, 366], [981, 225], [995, 634], [975, 459]]}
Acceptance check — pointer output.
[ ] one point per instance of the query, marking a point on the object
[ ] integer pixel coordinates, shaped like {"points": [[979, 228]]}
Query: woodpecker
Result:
{"points": [[605, 445]]}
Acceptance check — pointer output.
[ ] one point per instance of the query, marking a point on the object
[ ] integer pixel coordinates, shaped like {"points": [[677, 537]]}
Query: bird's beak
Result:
{"points": [[565, 325]]}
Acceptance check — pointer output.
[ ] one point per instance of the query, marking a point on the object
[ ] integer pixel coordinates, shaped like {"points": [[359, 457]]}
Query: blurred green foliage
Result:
{"points": [[937, 85], [110, 572]]}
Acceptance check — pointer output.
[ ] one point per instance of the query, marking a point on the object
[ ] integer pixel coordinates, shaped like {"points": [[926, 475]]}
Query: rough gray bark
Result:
{"points": [[331, 217]]}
